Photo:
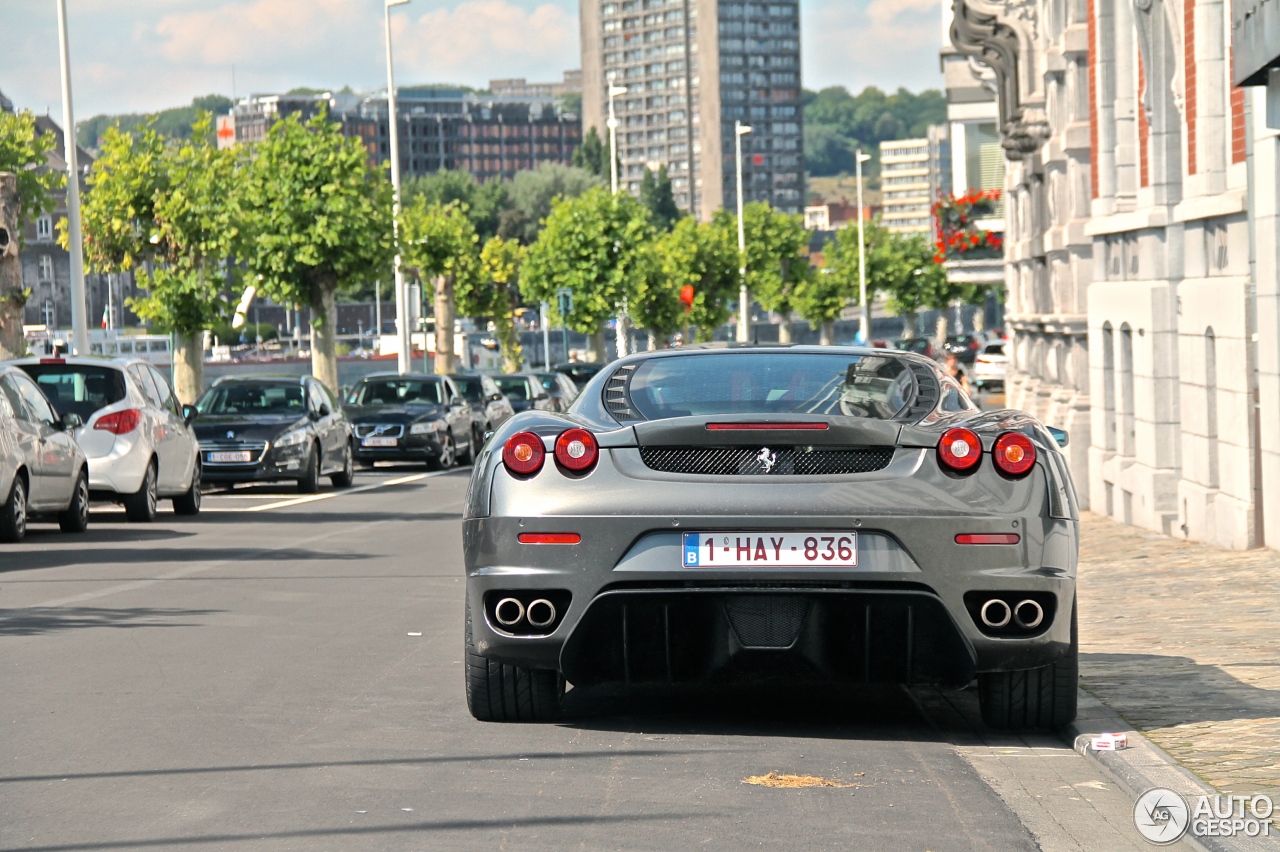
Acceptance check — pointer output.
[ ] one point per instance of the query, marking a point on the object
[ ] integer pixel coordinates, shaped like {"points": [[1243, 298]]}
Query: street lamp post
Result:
{"points": [[620, 329], [744, 299], [864, 323], [405, 360], [75, 241]]}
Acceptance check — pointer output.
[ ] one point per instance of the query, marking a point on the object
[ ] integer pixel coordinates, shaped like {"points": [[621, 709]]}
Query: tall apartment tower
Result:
{"points": [[691, 68]]}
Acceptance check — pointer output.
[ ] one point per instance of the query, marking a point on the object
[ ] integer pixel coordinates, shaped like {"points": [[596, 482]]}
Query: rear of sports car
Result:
{"points": [[801, 513]]}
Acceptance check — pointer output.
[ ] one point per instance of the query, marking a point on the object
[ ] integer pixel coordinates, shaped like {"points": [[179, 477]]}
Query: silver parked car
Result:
{"points": [[138, 439], [42, 470]]}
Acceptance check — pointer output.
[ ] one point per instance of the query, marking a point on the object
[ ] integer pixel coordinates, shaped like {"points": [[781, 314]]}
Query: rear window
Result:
{"points": [[994, 349], [254, 400], [873, 386], [470, 387], [512, 387], [77, 389], [397, 392]]}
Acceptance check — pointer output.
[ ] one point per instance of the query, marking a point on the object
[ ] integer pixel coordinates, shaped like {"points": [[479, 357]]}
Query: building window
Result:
{"points": [[1127, 397], [46, 267], [44, 228], [1211, 403], [1108, 387]]}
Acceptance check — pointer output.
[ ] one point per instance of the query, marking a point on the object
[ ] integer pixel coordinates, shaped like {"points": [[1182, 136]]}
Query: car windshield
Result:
{"points": [[397, 392], [548, 380], [513, 387], [253, 399], [874, 386], [77, 389], [471, 388], [994, 349]]}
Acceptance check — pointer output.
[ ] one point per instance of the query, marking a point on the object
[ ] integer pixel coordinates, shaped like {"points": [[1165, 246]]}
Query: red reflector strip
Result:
{"points": [[988, 538], [765, 427], [550, 538], [53, 360]]}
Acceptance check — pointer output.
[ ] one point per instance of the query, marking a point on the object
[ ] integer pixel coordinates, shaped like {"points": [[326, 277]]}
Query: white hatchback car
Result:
{"points": [[138, 439], [990, 365]]}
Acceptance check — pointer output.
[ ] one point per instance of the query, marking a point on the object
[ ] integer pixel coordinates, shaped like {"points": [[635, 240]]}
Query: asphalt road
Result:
{"points": [[284, 673]]}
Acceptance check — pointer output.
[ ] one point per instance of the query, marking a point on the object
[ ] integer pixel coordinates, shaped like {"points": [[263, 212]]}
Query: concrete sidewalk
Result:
{"points": [[1182, 640]]}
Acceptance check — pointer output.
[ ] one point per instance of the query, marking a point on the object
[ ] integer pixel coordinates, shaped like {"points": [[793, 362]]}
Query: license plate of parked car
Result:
{"points": [[771, 549], [378, 442], [240, 456]]}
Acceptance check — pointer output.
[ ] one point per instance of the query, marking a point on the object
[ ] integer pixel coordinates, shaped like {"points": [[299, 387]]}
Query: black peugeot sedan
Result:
{"points": [[418, 418], [489, 408], [257, 429]]}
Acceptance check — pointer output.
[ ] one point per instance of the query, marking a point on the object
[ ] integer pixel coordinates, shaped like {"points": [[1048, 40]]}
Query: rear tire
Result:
{"points": [[448, 454], [13, 514], [189, 502], [1033, 699], [140, 507], [497, 692], [75, 518], [345, 477], [310, 481]]}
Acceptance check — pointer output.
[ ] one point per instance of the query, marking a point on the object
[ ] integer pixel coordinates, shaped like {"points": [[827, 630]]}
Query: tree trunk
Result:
{"points": [[940, 329], [188, 367], [909, 325], [784, 328], [13, 296], [596, 351], [828, 337], [509, 339], [324, 331], [653, 341], [444, 325]]}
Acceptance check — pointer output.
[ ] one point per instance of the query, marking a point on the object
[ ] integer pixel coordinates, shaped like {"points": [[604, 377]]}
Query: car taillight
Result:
{"points": [[577, 450], [1014, 453], [119, 422], [960, 450], [973, 344], [524, 453]]}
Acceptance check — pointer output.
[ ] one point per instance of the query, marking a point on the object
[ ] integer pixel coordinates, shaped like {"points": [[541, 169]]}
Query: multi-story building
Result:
{"points": [[1141, 250], [440, 128], [691, 69], [519, 87], [913, 173]]}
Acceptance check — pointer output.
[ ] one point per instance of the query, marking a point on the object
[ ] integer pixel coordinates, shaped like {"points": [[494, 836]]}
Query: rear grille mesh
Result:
{"points": [[748, 461]]}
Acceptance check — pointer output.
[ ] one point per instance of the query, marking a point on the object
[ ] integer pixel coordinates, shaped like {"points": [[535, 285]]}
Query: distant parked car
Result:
{"points": [[273, 428], [138, 439], [42, 469], [964, 346], [919, 345], [562, 389], [990, 366], [489, 408], [580, 371], [524, 391], [415, 417]]}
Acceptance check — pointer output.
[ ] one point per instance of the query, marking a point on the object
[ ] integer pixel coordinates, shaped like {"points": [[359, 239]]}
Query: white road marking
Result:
{"points": [[328, 495]]}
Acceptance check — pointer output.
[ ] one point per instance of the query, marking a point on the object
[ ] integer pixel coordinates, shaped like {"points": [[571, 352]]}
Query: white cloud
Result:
{"points": [[885, 43], [482, 39]]}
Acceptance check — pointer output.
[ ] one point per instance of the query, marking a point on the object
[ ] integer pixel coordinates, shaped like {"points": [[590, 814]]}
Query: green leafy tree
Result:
{"points": [[24, 194], [533, 192], [439, 241], [592, 155], [317, 220], [825, 295], [597, 246], [776, 265], [703, 255], [658, 199], [169, 212], [500, 263], [485, 202], [175, 123], [837, 122], [655, 304]]}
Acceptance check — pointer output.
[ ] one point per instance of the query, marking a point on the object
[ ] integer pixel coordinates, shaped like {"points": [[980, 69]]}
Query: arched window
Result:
{"points": [[1127, 426], [1211, 403], [1108, 387]]}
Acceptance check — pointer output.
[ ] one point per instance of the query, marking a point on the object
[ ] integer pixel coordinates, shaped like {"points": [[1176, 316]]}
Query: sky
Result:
{"points": [[145, 55]]}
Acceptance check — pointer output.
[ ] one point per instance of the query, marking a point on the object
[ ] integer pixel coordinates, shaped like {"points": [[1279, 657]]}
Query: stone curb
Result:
{"points": [[1144, 765]]}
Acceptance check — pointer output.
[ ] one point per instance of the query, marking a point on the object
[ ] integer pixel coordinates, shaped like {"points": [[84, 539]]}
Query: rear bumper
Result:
{"points": [[122, 469], [278, 463], [410, 448]]}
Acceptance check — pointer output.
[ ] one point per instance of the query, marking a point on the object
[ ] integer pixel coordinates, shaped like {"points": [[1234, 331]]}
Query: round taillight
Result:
{"points": [[524, 453], [1014, 453], [577, 450], [960, 450]]}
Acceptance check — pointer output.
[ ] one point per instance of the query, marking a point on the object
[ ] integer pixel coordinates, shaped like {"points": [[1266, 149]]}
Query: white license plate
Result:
{"points": [[379, 442], [237, 457], [771, 549]]}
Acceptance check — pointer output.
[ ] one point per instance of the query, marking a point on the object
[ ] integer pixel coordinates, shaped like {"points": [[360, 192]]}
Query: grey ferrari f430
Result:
{"points": [[817, 513]]}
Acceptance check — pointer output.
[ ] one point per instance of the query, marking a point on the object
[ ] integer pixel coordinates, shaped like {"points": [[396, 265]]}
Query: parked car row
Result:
{"points": [[78, 429]]}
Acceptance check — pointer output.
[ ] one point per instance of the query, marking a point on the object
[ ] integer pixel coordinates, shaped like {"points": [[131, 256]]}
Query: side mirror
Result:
{"points": [[1060, 436], [457, 402], [325, 411], [495, 397], [71, 421], [542, 396], [189, 413]]}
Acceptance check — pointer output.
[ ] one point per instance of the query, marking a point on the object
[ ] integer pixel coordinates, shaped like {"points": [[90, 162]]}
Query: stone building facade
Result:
{"points": [[1132, 298]]}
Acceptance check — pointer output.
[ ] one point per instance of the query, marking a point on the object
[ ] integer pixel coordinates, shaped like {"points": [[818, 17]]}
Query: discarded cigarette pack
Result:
{"points": [[1110, 742]]}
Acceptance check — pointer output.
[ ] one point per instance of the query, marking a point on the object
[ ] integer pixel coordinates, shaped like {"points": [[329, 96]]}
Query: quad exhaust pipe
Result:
{"points": [[509, 612], [1026, 614], [512, 613], [541, 613]]}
